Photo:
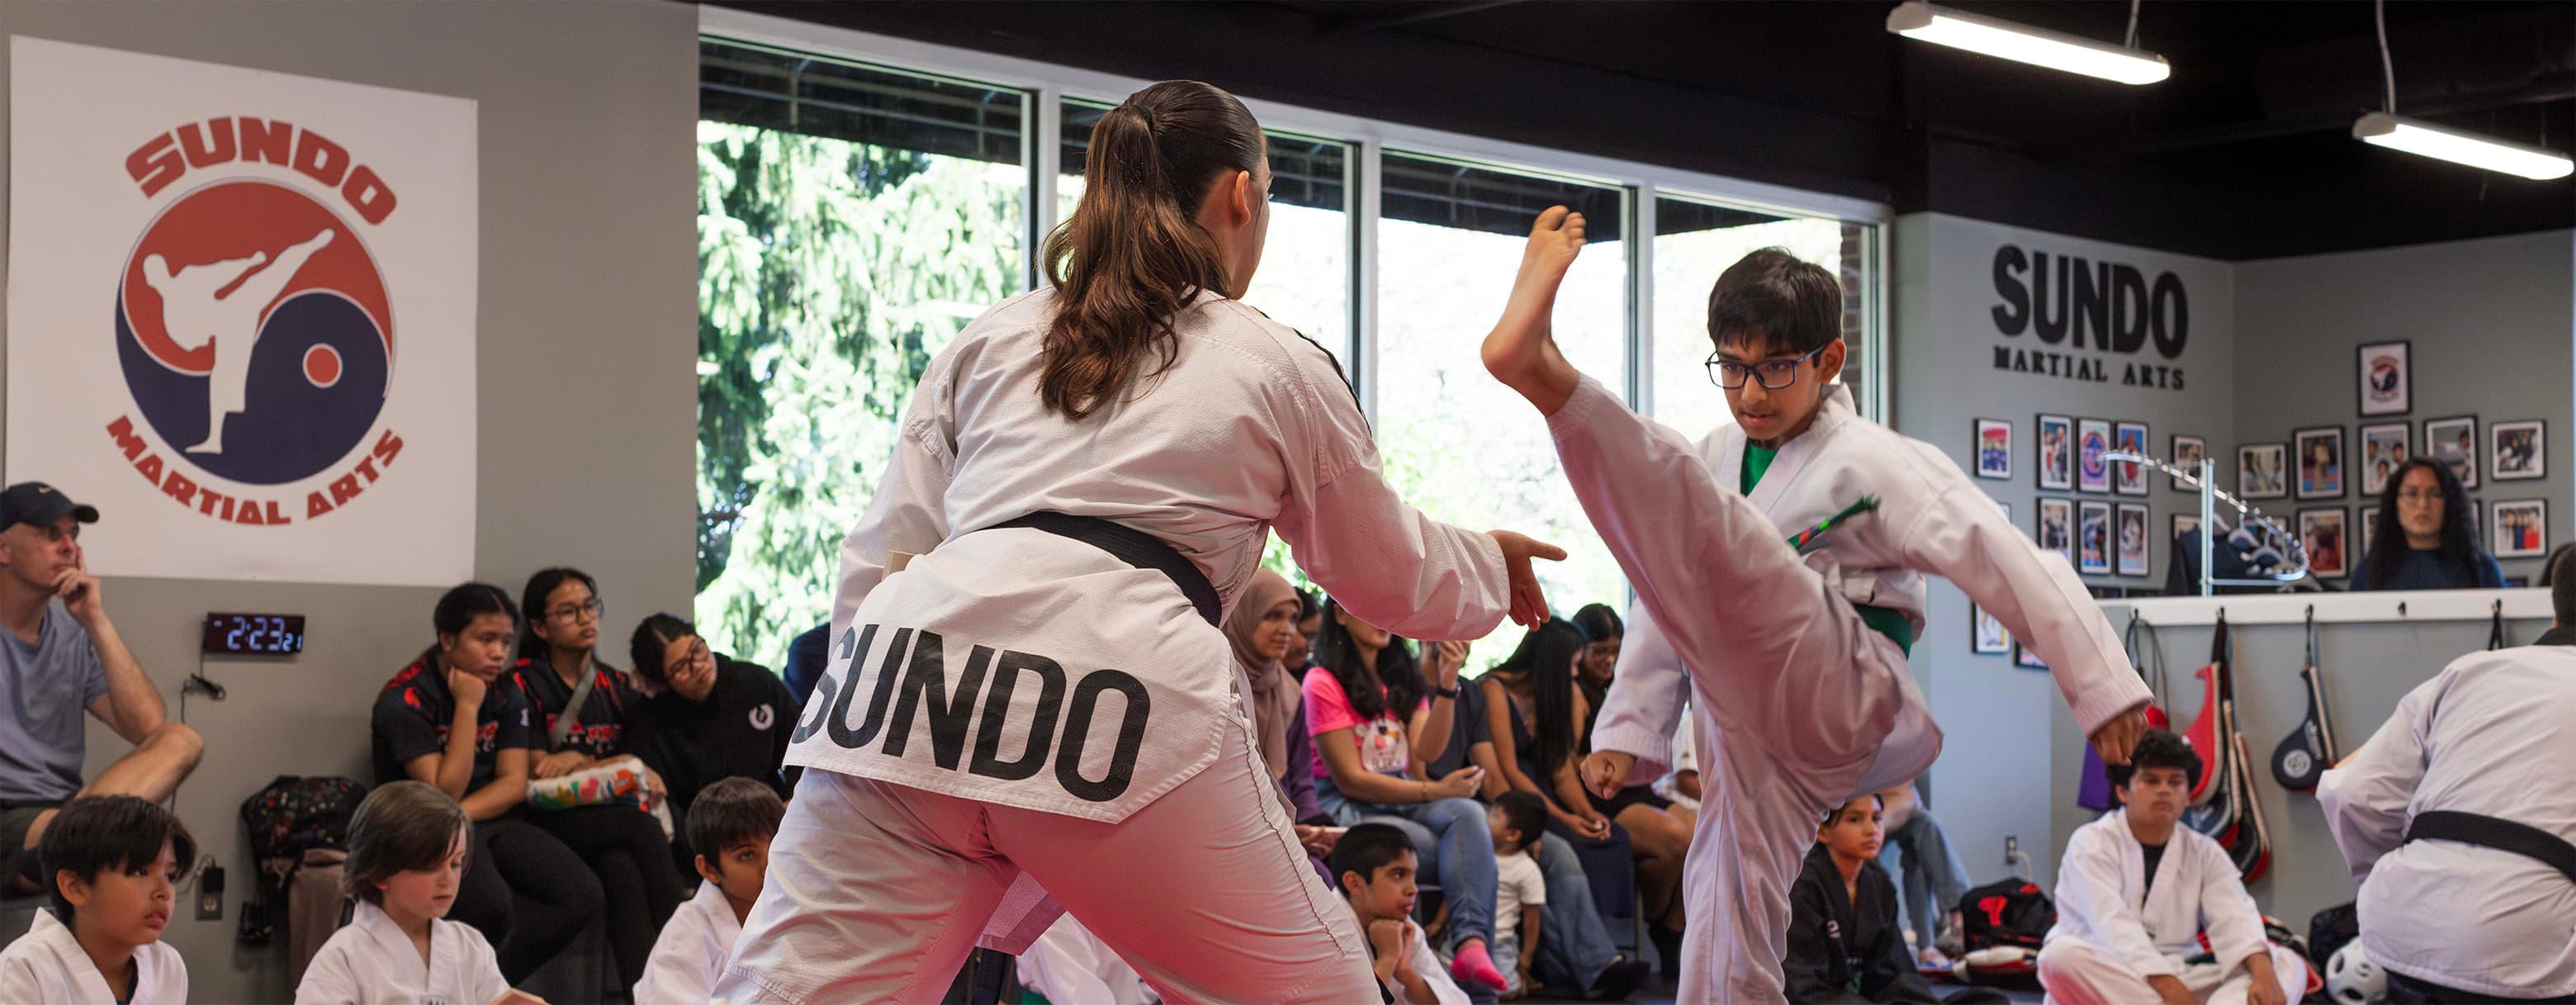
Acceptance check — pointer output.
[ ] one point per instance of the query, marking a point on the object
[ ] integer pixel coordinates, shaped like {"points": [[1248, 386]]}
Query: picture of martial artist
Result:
{"points": [[2258, 470], [2454, 442], [2322, 532], [2320, 463], [2518, 453], [2133, 539], [2056, 518], [2095, 531], [2056, 456]]}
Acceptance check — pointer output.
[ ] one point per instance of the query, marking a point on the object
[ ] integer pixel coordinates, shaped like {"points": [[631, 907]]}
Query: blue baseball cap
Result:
{"points": [[40, 504]]}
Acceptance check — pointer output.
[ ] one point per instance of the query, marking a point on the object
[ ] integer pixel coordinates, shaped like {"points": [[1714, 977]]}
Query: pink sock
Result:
{"points": [[1473, 964]]}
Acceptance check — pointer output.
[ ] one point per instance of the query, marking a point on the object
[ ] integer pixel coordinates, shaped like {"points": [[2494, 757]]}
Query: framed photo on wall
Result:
{"points": [[2521, 529], [1994, 449], [2320, 457], [2129, 478], [2092, 440], [2520, 451], [2057, 527], [2133, 539], [2387, 383], [2455, 442], [2025, 659], [2053, 445], [1986, 636], [2093, 538], [2258, 470], [2384, 447], [2187, 452], [2322, 532]]}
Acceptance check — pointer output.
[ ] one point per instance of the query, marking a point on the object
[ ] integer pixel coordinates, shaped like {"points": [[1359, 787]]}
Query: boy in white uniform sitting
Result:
{"points": [[730, 825], [2137, 889], [408, 844], [110, 863]]}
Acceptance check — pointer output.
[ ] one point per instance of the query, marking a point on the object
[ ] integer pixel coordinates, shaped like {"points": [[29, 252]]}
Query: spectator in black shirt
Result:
{"points": [[807, 657], [448, 720], [714, 718], [579, 716]]}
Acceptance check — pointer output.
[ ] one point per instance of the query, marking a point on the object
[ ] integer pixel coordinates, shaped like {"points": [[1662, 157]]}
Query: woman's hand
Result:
{"points": [[1318, 840], [1605, 772], [560, 763], [1460, 784], [1529, 603], [1441, 662]]}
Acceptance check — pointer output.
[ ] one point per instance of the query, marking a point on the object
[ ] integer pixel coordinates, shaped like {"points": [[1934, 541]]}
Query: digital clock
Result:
{"points": [[259, 634]]}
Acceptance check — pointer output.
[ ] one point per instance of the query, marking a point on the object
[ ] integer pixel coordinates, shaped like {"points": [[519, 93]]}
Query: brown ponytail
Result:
{"points": [[1132, 257]]}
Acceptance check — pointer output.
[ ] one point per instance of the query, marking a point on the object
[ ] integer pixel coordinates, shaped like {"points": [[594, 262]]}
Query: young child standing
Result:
{"points": [[1518, 819], [1374, 865], [1793, 655], [111, 864], [730, 825], [407, 849]]}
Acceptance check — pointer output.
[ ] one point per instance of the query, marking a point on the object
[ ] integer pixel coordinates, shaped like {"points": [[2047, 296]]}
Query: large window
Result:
{"points": [[850, 222], [1460, 446], [853, 217]]}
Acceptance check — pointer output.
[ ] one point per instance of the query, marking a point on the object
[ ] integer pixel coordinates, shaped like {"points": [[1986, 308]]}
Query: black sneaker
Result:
{"points": [[1618, 980]]}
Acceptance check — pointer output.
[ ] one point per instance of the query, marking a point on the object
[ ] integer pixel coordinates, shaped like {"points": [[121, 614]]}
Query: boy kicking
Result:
{"points": [[1793, 655]]}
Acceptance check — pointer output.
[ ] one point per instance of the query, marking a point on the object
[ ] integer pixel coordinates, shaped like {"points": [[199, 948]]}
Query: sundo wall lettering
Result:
{"points": [[241, 316], [2101, 321]]}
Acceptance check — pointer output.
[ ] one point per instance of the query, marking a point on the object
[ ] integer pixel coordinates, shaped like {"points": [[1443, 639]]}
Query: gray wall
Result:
{"points": [[586, 400], [2493, 337], [1997, 759]]}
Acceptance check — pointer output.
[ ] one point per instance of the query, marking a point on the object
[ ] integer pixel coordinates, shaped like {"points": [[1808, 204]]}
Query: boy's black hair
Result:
{"points": [[2157, 748], [93, 834], [1524, 812], [1771, 294], [400, 827], [1838, 808], [730, 812], [1365, 849]]}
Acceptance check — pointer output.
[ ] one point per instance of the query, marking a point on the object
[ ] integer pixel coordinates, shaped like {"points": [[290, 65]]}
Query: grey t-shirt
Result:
{"points": [[46, 688]]}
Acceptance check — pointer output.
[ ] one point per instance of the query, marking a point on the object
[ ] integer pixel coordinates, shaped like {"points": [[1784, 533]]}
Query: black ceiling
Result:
{"points": [[2244, 153]]}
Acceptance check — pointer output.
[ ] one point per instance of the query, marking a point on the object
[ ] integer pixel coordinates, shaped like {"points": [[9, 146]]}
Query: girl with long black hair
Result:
{"points": [[2424, 536]]}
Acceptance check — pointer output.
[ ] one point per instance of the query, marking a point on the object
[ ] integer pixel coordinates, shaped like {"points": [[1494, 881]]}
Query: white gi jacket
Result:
{"points": [[691, 951], [1101, 687], [2495, 734], [46, 966], [369, 961], [2196, 887]]}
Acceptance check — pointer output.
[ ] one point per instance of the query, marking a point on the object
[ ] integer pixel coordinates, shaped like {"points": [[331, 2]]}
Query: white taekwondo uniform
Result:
{"points": [[47, 966], [2109, 939]]}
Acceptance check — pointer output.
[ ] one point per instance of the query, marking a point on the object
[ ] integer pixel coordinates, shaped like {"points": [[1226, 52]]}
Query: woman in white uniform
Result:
{"points": [[1028, 702]]}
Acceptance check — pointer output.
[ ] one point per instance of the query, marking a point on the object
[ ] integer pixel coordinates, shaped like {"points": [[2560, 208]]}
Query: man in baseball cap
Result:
{"points": [[56, 660]]}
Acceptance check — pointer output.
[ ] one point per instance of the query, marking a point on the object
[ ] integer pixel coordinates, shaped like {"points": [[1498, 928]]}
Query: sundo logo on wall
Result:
{"points": [[252, 324], [2092, 320], [241, 316]]}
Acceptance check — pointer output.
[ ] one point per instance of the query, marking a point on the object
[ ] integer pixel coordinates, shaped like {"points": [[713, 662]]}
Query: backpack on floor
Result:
{"points": [[286, 819], [2329, 930], [2008, 913]]}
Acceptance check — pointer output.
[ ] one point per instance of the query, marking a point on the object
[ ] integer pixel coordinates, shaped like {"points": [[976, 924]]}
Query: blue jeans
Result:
{"points": [[1932, 876], [1573, 945], [1455, 844]]}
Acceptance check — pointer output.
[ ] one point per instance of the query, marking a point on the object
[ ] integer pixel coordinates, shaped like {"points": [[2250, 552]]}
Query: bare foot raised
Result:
{"points": [[1521, 351]]}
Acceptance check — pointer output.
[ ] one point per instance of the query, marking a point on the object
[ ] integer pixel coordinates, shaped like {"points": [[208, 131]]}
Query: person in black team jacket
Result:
{"points": [[524, 890], [714, 717], [1845, 945]]}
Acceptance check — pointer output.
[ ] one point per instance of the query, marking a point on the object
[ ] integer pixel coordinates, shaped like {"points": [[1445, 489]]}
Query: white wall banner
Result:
{"points": [[241, 317]]}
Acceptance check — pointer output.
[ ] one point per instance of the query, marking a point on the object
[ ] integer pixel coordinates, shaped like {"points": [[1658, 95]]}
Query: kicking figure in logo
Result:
{"points": [[195, 312]]}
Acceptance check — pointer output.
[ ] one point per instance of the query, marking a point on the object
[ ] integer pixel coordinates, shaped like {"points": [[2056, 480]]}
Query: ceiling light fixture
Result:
{"points": [[2388, 129], [2036, 46]]}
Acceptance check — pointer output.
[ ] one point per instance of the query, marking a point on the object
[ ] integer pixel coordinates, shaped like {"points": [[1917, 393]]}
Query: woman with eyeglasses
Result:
{"points": [[2423, 536], [711, 716], [580, 710]]}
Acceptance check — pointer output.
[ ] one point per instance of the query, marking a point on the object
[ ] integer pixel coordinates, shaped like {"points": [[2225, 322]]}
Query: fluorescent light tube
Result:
{"points": [[2419, 137], [2022, 43]]}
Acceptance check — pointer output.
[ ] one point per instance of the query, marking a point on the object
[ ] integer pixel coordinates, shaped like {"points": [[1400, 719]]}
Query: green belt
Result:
{"points": [[1889, 622]]}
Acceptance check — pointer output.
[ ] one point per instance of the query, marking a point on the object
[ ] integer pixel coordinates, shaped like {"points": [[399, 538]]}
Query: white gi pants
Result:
{"points": [[2078, 974], [877, 891], [1796, 695]]}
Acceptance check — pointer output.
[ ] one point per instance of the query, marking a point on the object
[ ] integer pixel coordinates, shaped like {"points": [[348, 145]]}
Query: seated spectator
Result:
{"points": [[1681, 785], [1517, 819], [449, 721], [711, 717], [1538, 712], [1602, 633], [1263, 630], [1310, 623], [56, 662], [1368, 712], [808, 656], [578, 715], [2137, 893], [734, 820], [1918, 854], [1373, 869], [2425, 536], [1845, 946], [407, 851], [113, 863]]}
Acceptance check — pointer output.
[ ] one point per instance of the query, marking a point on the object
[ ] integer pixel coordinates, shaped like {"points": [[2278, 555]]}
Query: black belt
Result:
{"points": [[1134, 547], [2501, 835]]}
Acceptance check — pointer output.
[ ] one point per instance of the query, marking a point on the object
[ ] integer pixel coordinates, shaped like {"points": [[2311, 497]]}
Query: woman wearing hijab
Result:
{"points": [[1262, 630]]}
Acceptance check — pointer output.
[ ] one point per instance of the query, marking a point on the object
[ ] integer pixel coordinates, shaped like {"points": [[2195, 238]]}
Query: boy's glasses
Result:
{"points": [[1773, 373]]}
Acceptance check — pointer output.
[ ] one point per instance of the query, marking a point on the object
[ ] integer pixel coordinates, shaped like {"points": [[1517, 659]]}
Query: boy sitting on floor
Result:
{"points": [[1374, 865], [1845, 944], [2136, 891], [730, 825]]}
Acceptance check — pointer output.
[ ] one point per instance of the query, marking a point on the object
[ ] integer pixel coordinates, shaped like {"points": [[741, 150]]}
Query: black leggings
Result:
{"points": [[632, 860], [526, 892]]}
